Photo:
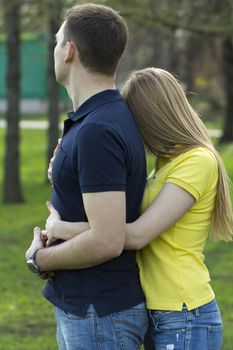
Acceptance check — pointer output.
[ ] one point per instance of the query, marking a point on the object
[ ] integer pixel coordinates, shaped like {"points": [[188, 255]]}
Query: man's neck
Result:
{"points": [[82, 85]]}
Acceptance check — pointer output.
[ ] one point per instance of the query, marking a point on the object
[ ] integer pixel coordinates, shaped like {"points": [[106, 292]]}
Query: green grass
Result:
{"points": [[26, 318]]}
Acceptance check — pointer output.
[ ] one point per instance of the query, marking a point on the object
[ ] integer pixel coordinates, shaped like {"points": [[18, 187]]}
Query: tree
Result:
{"points": [[201, 17], [45, 16], [228, 75], [12, 187]]}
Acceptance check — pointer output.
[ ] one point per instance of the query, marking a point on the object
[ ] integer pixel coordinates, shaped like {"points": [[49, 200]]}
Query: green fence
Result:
{"points": [[33, 68]]}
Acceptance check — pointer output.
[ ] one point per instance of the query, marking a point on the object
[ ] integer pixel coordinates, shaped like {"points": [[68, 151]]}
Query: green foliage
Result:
{"points": [[26, 318], [210, 17]]}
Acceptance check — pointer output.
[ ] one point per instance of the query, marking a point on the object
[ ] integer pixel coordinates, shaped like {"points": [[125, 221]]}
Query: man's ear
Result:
{"points": [[70, 51]]}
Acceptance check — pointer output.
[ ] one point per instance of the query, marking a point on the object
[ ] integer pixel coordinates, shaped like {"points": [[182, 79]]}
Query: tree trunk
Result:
{"points": [[12, 189], [54, 9], [228, 76], [191, 52]]}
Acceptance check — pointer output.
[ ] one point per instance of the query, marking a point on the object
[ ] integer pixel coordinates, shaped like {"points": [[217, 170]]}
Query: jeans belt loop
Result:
{"points": [[197, 312]]}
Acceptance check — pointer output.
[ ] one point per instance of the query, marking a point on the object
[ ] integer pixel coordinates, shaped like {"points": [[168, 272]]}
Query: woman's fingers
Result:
{"points": [[52, 210]]}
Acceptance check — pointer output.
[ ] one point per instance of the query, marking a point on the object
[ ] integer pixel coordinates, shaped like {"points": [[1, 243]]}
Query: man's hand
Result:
{"points": [[52, 160], [38, 243], [50, 225], [101, 240]]}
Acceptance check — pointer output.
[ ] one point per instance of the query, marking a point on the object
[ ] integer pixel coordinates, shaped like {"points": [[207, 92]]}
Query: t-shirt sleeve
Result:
{"points": [[101, 159], [194, 172]]}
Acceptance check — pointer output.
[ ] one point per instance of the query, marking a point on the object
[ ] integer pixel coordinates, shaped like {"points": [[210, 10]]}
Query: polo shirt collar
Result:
{"points": [[94, 102]]}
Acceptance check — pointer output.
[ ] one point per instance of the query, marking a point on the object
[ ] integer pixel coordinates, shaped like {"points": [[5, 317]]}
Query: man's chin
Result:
{"points": [[60, 78]]}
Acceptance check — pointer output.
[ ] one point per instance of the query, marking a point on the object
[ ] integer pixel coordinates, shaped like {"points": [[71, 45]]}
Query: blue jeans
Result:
{"points": [[117, 331], [198, 329]]}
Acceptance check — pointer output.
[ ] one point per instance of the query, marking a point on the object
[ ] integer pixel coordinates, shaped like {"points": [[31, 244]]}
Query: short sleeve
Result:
{"points": [[195, 171], [101, 159]]}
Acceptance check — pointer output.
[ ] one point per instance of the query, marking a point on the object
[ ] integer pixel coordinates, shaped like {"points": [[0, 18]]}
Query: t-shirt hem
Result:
{"points": [[178, 306], [101, 310], [103, 188], [185, 186]]}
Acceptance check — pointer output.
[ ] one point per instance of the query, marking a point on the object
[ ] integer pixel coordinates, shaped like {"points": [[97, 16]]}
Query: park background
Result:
{"points": [[192, 39]]}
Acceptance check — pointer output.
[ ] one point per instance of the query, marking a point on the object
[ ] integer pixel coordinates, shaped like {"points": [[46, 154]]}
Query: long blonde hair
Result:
{"points": [[166, 119]]}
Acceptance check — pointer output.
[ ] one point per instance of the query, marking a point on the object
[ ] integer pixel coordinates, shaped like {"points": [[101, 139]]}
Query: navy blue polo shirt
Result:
{"points": [[101, 150]]}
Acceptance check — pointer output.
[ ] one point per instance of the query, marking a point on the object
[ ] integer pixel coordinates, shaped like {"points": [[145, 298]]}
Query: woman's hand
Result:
{"points": [[52, 224], [55, 228], [52, 160]]}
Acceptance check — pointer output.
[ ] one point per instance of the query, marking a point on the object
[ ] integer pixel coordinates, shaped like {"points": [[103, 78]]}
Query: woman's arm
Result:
{"points": [[169, 206], [58, 229]]}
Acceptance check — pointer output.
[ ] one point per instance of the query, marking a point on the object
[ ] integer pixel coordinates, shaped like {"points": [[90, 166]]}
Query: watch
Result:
{"points": [[32, 265]]}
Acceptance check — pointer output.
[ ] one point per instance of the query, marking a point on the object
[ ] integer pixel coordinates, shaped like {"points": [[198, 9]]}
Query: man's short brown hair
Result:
{"points": [[100, 35]]}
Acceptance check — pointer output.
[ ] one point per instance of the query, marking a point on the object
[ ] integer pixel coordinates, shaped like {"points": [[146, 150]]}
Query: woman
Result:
{"points": [[186, 197]]}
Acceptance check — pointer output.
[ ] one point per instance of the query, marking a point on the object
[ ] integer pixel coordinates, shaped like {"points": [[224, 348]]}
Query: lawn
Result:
{"points": [[26, 319]]}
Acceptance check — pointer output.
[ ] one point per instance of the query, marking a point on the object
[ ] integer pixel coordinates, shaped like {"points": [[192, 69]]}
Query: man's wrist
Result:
{"points": [[32, 263]]}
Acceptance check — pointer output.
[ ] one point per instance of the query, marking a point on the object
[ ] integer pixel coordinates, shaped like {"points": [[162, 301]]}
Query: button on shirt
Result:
{"points": [[101, 150]]}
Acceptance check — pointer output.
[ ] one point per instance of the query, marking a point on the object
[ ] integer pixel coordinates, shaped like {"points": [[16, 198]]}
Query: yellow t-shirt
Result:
{"points": [[172, 269]]}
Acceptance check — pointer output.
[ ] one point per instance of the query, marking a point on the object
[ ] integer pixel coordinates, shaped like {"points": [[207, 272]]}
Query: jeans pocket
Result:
{"points": [[73, 317], [131, 326], [215, 337], [168, 321], [77, 317], [157, 313]]}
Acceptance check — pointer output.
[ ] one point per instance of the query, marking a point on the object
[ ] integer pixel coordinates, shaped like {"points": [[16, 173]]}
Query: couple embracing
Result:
{"points": [[123, 253]]}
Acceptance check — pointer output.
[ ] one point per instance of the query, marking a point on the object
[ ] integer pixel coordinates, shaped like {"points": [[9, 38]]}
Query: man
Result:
{"points": [[98, 176]]}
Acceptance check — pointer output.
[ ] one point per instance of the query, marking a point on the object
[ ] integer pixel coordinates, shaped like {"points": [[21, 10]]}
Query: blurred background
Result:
{"points": [[192, 39]]}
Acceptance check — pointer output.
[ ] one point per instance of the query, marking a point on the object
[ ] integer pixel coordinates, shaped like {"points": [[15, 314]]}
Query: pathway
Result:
{"points": [[33, 124]]}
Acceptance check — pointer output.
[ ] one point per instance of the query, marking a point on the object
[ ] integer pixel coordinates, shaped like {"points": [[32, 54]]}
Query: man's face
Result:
{"points": [[61, 69]]}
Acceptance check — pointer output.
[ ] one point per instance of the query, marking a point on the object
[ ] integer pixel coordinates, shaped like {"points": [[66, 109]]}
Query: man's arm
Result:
{"points": [[103, 241]]}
